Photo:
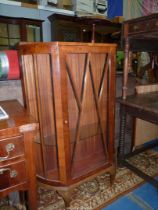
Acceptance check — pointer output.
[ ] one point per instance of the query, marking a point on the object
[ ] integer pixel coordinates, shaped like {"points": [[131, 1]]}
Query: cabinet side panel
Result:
{"points": [[37, 77], [45, 97], [29, 84]]}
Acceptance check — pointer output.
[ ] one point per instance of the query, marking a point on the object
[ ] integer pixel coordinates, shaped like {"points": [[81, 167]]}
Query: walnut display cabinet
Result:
{"points": [[70, 89]]}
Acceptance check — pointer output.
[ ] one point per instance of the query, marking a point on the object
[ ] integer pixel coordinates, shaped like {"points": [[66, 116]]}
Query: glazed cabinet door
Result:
{"points": [[88, 95]]}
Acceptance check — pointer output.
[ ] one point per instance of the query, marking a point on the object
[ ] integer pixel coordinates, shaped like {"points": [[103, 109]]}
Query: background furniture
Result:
{"points": [[17, 168], [151, 130], [14, 30], [79, 29], [140, 34], [70, 90]]}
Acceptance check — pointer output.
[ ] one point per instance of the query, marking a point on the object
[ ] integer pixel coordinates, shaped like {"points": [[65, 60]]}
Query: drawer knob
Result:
{"points": [[13, 173], [66, 121], [9, 147]]}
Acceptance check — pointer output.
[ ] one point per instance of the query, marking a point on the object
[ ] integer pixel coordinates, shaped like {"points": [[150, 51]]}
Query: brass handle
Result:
{"points": [[9, 147], [136, 27], [13, 173]]}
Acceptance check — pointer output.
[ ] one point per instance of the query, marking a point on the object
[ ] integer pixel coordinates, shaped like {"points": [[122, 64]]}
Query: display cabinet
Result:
{"points": [[14, 30], [80, 29], [70, 89]]}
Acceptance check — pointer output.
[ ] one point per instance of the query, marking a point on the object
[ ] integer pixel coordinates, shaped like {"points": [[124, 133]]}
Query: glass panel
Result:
{"points": [[87, 111], [46, 105], [14, 41], [69, 36], [14, 31], [4, 41], [3, 30], [86, 35], [33, 33]]}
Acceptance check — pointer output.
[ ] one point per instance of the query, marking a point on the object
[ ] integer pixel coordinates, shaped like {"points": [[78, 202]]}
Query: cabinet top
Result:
{"points": [[19, 120], [85, 20], [49, 47]]}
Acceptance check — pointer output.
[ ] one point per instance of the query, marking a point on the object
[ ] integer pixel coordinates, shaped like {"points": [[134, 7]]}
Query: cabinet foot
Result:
{"points": [[66, 195], [112, 176]]}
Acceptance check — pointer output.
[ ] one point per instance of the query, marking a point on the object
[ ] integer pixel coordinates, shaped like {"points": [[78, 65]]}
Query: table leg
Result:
{"points": [[126, 68], [122, 134]]}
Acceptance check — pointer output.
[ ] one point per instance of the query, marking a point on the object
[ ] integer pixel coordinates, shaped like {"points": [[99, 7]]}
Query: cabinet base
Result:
{"points": [[66, 192]]}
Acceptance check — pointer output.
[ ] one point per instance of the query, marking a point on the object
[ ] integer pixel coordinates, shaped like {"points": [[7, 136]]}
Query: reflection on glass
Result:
{"points": [[3, 30], [14, 41], [4, 41], [14, 31], [69, 36], [33, 33]]}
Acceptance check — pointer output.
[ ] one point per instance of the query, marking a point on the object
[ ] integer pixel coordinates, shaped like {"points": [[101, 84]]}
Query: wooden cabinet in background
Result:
{"points": [[17, 165], [79, 29], [14, 30], [70, 90]]}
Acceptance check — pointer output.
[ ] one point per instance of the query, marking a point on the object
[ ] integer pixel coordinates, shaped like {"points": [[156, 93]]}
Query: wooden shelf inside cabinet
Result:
{"points": [[17, 167], [71, 92]]}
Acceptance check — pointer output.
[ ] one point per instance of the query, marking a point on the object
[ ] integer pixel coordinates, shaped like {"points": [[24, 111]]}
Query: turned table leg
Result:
{"points": [[122, 134]]}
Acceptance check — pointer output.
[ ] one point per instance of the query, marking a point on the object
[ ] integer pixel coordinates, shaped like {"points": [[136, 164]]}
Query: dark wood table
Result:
{"points": [[139, 35], [145, 107]]}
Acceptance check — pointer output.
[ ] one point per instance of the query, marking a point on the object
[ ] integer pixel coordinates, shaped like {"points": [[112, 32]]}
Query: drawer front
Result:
{"points": [[137, 27], [143, 26], [11, 148], [153, 24], [12, 175]]}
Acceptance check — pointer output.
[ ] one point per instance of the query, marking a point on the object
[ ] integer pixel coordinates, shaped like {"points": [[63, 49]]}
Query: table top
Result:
{"points": [[142, 33], [143, 102], [18, 115], [145, 27]]}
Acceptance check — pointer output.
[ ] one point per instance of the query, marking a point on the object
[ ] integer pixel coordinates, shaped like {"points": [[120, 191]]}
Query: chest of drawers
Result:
{"points": [[17, 168]]}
